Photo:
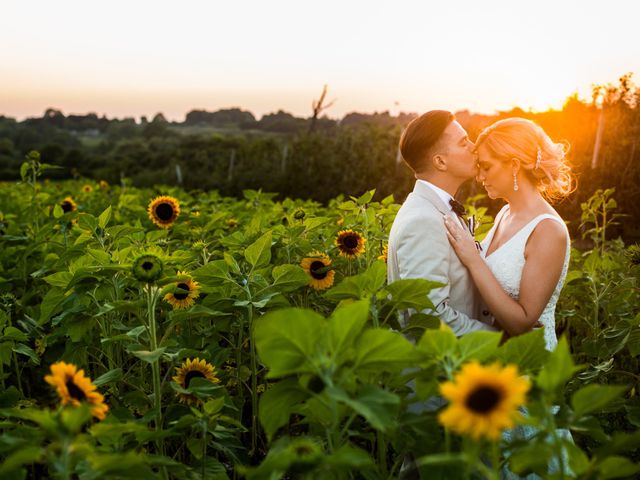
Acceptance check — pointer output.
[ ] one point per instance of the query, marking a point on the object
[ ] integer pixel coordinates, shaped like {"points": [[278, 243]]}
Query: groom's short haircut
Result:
{"points": [[421, 135]]}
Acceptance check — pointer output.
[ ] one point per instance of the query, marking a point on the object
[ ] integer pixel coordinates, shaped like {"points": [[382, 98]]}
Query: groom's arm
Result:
{"points": [[423, 252]]}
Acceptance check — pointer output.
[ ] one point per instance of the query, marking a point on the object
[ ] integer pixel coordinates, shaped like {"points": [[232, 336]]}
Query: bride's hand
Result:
{"points": [[462, 241]]}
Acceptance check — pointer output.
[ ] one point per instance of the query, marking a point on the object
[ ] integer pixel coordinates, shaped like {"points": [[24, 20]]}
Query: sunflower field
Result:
{"points": [[160, 333]]}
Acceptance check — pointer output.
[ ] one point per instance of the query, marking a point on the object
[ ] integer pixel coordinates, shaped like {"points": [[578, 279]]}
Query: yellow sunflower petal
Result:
{"points": [[484, 400], [164, 211], [74, 388]]}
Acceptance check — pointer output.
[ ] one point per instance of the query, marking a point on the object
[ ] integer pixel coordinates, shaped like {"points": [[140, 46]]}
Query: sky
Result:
{"points": [[138, 57]]}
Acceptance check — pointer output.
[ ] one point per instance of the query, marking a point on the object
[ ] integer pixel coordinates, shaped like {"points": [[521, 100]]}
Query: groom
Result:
{"points": [[438, 150]]}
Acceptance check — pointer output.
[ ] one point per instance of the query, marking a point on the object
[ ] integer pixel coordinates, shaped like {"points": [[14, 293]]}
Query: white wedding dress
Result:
{"points": [[507, 263]]}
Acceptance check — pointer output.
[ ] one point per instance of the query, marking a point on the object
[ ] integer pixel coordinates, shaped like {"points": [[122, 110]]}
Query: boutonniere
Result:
{"points": [[472, 224]]}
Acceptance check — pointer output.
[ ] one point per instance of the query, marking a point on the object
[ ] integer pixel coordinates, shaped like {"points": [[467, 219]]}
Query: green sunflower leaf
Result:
{"points": [[148, 356], [558, 369], [258, 254], [111, 376], [412, 293], [50, 304], [25, 456], [594, 397], [383, 350], [376, 405], [344, 327], [437, 343], [23, 349], [104, 218], [526, 351], [349, 457], [287, 340], [276, 404], [59, 279], [617, 467], [478, 345], [287, 278]]}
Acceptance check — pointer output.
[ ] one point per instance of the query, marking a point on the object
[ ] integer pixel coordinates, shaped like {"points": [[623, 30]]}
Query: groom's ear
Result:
{"points": [[439, 163]]}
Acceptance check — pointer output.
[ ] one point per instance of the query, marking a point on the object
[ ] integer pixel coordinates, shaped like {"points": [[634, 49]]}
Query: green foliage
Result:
{"points": [[312, 383]]}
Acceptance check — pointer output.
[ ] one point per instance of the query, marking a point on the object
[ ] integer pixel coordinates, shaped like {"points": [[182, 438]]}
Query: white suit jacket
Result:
{"points": [[419, 248]]}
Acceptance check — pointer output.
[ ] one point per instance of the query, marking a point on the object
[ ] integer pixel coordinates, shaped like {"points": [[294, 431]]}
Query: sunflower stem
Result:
{"points": [[557, 442], [382, 451], [65, 458], [447, 440], [14, 357], [254, 381], [495, 459], [204, 447], [152, 298]]}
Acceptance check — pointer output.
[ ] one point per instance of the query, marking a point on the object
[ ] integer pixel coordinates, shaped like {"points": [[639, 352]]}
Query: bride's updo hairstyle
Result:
{"points": [[541, 159]]}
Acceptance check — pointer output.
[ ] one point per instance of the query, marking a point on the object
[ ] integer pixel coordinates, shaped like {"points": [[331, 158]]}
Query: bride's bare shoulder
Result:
{"points": [[549, 236]]}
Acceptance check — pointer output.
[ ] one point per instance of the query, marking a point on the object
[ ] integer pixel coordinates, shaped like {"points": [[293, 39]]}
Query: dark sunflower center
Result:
{"points": [[483, 399], [74, 391], [181, 295], [316, 270], [303, 450], [66, 206], [164, 211], [191, 375], [147, 266], [351, 242]]}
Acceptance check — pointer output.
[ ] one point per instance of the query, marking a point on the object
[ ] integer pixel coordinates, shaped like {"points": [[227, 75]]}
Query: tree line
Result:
{"points": [[230, 150]]}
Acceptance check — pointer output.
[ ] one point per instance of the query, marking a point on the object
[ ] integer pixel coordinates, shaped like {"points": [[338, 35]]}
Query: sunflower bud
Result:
{"points": [[305, 455], [316, 384], [633, 253], [147, 268], [299, 214]]}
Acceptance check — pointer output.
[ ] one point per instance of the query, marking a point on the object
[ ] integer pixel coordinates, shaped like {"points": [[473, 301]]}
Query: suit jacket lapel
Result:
{"points": [[425, 192]]}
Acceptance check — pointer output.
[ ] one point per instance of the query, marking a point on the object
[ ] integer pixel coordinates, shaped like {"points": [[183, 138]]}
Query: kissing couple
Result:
{"points": [[509, 282], [512, 280]]}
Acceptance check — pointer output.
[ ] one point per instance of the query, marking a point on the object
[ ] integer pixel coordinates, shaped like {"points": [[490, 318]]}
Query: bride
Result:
{"points": [[523, 260], [521, 266]]}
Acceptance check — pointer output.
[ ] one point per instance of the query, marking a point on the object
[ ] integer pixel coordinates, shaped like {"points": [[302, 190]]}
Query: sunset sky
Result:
{"points": [[134, 57]]}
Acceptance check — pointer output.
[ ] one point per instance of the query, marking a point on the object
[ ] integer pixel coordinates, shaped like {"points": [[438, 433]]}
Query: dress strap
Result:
{"points": [[528, 229]]}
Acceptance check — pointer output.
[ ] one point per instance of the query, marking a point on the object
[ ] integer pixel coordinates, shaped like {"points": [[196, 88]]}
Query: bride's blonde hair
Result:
{"points": [[543, 160]]}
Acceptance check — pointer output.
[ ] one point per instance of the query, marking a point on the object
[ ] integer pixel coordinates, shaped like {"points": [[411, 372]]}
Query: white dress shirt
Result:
{"points": [[444, 196]]}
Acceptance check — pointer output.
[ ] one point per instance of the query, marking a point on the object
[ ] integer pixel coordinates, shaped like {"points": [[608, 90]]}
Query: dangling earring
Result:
{"points": [[515, 182]]}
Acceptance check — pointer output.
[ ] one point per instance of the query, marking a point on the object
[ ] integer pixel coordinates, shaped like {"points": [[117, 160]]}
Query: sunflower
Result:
{"points": [[299, 214], [147, 268], [350, 243], [199, 245], [317, 267], [305, 455], [74, 388], [484, 400], [163, 211], [194, 368], [68, 205], [231, 222], [103, 184], [185, 293], [385, 253], [87, 188], [633, 254]]}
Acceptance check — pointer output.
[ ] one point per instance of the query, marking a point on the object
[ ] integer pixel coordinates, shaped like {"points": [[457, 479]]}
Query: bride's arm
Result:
{"points": [[544, 259]]}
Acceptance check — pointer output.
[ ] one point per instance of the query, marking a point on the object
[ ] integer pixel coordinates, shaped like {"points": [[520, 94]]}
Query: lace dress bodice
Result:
{"points": [[507, 263]]}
